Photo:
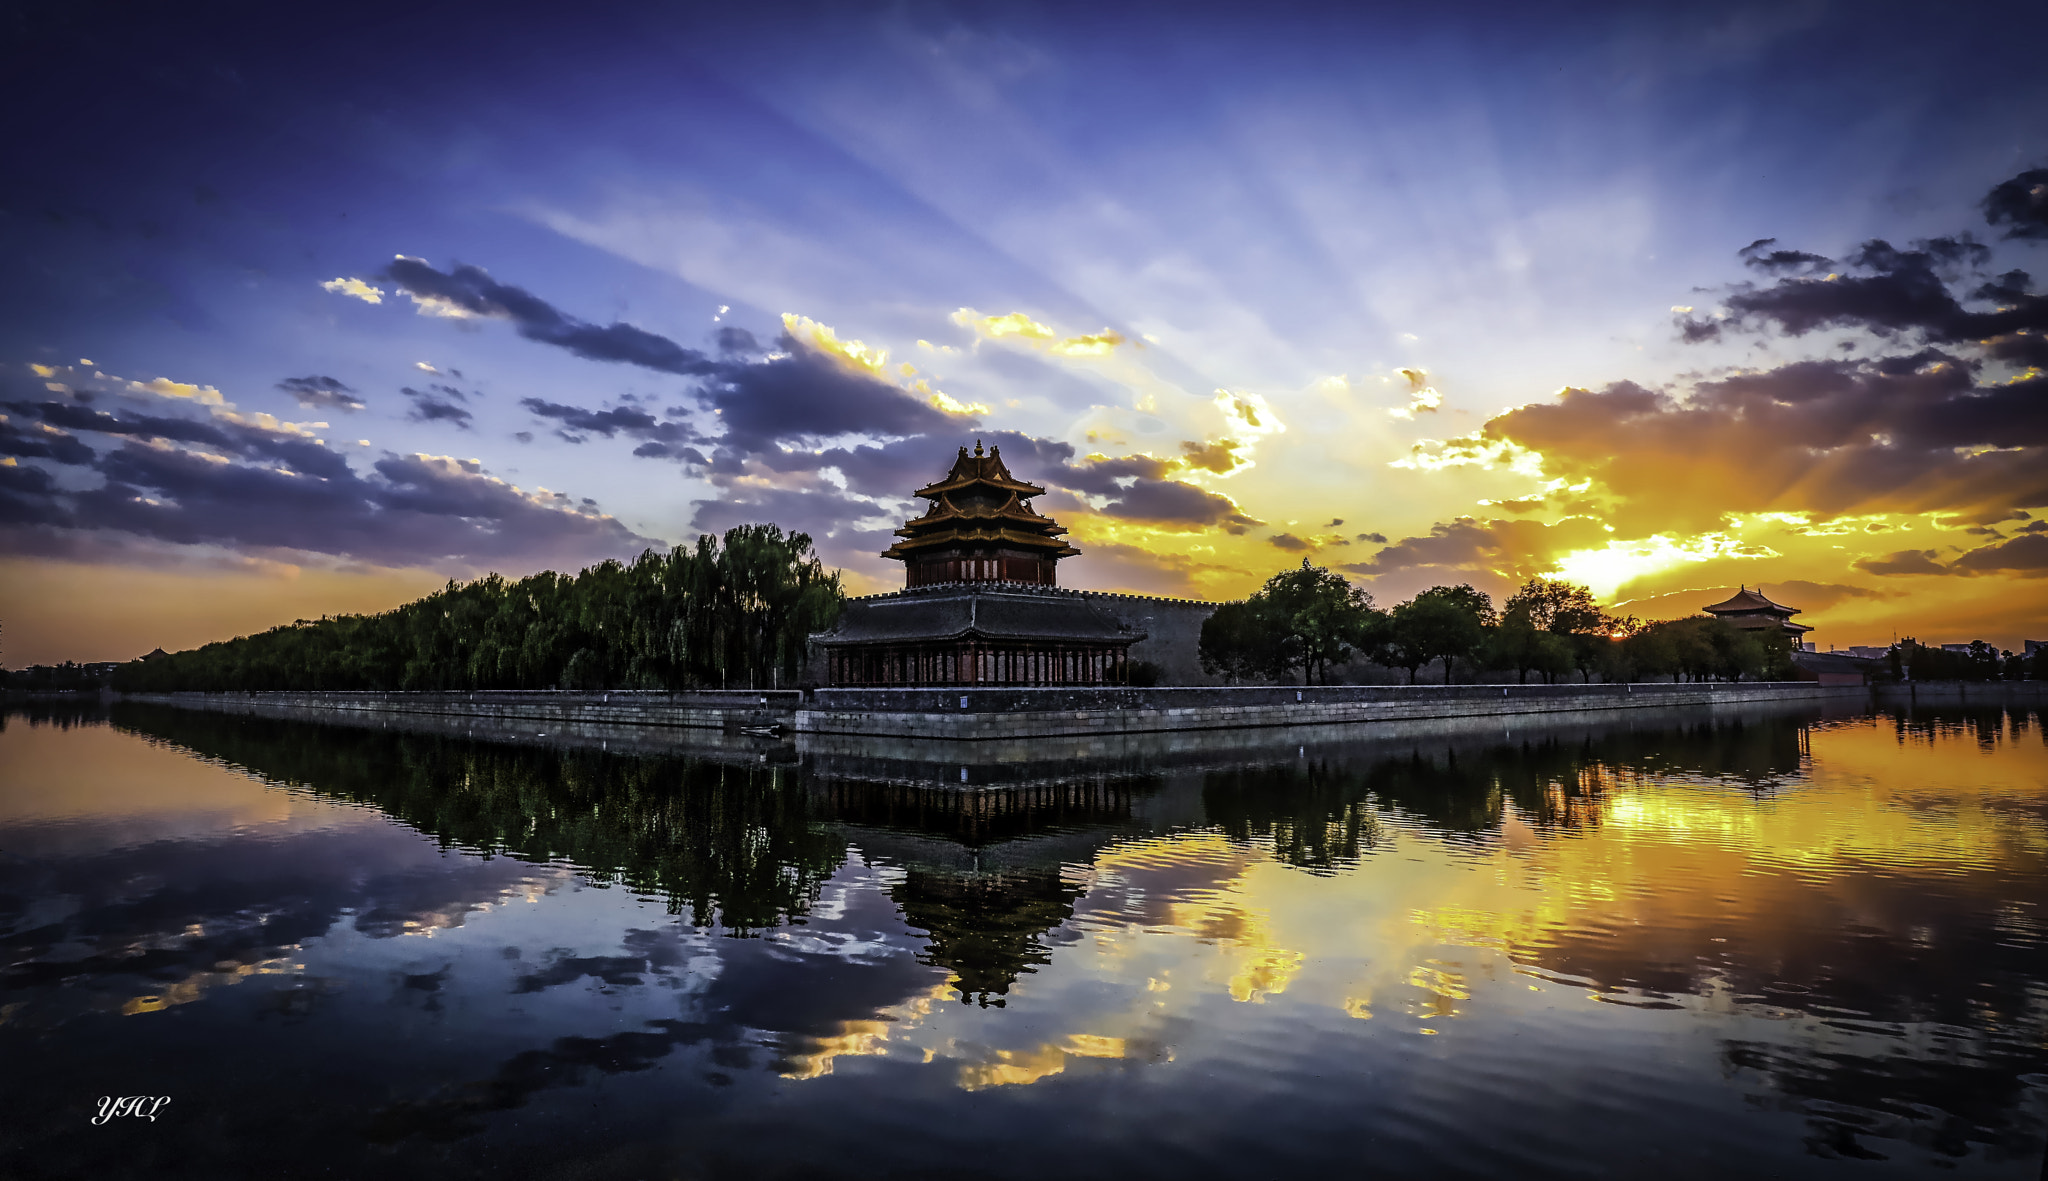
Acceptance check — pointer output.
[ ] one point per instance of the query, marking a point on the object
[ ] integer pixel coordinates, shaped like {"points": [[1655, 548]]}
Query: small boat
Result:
{"points": [[769, 731]]}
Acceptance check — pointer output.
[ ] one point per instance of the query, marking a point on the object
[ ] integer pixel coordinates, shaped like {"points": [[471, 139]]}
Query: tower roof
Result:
{"points": [[979, 503], [1745, 601]]}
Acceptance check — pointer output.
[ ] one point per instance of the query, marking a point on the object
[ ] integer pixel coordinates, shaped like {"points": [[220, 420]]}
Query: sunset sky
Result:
{"points": [[308, 314]]}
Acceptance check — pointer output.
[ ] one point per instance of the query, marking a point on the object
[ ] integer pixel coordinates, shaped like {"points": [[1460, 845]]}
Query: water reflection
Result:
{"points": [[1809, 940]]}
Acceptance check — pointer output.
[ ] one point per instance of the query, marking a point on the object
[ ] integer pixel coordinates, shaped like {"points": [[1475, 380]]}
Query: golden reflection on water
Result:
{"points": [[1642, 888]]}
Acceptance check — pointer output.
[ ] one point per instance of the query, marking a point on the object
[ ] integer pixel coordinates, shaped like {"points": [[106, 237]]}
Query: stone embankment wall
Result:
{"points": [[1001, 714], [1960, 692], [659, 720]]}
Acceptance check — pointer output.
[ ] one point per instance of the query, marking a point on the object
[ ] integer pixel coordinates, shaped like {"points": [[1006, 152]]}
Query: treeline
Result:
{"points": [[1910, 659], [1310, 620], [728, 614]]}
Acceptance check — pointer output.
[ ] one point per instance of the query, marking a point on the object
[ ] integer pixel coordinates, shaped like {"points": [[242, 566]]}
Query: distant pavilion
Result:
{"points": [[1751, 611], [981, 603]]}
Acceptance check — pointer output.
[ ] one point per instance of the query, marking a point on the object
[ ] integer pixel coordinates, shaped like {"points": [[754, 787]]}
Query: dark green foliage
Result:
{"points": [[1700, 648], [1981, 663], [1447, 623], [1240, 643], [1308, 618], [734, 616], [68, 677], [1572, 629]]}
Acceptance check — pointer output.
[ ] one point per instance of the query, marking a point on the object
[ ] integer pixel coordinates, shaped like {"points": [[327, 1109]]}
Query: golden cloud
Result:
{"points": [[354, 289], [1020, 326]]}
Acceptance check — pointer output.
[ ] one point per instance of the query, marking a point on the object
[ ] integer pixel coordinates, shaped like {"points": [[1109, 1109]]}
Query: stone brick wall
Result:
{"points": [[987, 714], [1173, 633]]}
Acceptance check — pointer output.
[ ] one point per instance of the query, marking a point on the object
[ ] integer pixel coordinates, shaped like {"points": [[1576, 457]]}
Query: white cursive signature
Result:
{"points": [[145, 1106]]}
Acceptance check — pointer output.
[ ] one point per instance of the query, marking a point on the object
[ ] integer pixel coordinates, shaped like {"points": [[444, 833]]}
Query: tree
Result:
{"points": [[1567, 610], [726, 613], [1239, 644], [1446, 623], [1322, 617], [1515, 643], [1309, 618]]}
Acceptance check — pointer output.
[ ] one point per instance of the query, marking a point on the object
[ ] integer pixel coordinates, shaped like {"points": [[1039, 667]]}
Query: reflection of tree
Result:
{"points": [[1315, 813], [986, 928], [56, 712], [731, 844], [1564, 780]]}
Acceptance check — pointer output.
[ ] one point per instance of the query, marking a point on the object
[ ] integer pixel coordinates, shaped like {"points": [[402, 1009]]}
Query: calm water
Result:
{"points": [[1784, 944]]}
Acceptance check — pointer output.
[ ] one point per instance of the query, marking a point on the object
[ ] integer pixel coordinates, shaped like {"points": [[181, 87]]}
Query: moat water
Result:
{"points": [[1787, 943]]}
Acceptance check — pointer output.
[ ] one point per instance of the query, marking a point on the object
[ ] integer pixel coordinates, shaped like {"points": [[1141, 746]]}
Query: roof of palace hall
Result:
{"points": [[985, 613], [980, 503], [1747, 600]]}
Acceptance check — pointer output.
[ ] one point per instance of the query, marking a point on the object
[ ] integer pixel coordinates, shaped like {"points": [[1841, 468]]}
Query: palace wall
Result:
{"points": [[1173, 633]]}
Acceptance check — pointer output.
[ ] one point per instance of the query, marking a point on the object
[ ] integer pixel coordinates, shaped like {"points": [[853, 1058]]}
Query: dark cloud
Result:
{"points": [[431, 406], [1779, 261], [664, 440], [1499, 551], [1178, 508], [473, 290], [1375, 538], [2026, 554], [1905, 561], [1111, 477], [257, 487], [324, 392], [801, 394], [297, 452], [1289, 542], [817, 511], [736, 340], [54, 445], [1904, 433], [761, 401], [2020, 205], [1889, 291]]}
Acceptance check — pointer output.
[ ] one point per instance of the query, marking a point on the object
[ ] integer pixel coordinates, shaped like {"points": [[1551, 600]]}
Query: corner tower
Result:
{"points": [[982, 605], [979, 527]]}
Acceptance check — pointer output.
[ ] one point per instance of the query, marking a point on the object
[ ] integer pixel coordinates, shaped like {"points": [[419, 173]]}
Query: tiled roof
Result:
{"points": [[1746, 599], [992, 615]]}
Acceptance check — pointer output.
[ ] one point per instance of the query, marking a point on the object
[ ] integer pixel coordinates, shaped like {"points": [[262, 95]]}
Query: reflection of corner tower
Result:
{"points": [[980, 604]]}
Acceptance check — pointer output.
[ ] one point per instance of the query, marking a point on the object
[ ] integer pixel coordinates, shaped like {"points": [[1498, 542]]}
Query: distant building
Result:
{"points": [[2034, 646], [981, 604], [1831, 668], [1963, 648], [1751, 611], [1868, 651]]}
